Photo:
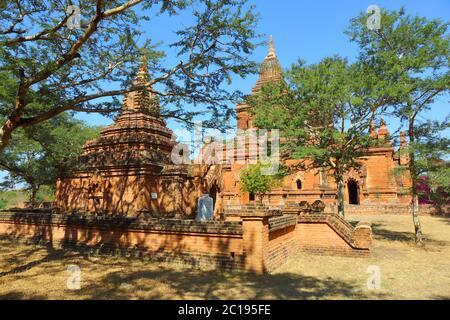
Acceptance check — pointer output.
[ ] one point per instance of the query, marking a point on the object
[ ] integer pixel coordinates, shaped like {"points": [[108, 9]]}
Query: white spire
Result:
{"points": [[271, 54]]}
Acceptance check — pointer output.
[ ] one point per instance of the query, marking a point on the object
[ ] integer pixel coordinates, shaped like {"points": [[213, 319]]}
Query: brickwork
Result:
{"points": [[282, 244], [397, 209], [259, 240]]}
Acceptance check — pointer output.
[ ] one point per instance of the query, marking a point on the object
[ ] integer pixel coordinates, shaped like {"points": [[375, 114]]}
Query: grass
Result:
{"points": [[17, 198], [407, 272]]}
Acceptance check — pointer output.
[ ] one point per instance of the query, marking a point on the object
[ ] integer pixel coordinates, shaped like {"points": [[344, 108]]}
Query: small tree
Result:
{"points": [[255, 182], [431, 149]]}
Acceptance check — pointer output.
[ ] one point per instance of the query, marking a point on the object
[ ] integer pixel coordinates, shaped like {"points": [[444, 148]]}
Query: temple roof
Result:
{"points": [[142, 100], [137, 137], [270, 69]]}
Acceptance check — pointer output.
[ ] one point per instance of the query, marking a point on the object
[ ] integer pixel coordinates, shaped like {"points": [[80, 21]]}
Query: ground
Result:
{"points": [[407, 272]]}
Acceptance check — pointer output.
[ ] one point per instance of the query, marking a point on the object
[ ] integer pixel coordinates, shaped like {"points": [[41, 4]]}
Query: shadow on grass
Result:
{"points": [[381, 233], [16, 295], [218, 285], [52, 255], [444, 219]]}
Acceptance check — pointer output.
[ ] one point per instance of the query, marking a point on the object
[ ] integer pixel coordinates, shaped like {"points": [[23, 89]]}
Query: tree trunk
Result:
{"points": [[33, 194], [417, 226], [340, 194], [260, 197], [414, 179]]}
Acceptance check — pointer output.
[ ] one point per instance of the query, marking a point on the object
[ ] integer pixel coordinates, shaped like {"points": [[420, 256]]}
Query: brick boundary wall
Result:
{"points": [[397, 209], [314, 235], [211, 244], [261, 241]]}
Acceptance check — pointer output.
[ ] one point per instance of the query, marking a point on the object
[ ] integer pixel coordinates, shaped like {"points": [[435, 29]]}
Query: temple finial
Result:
{"points": [[143, 69], [271, 53]]}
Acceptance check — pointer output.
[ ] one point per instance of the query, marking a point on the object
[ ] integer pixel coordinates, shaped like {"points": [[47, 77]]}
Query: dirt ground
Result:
{"points": [[405, 272]]}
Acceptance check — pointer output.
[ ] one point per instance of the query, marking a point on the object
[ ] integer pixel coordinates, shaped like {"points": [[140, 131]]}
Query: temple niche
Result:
{"points": [[128, 169]]}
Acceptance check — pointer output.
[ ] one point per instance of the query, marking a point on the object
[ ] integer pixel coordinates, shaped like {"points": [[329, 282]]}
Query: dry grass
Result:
{"points": [[35, 272]]}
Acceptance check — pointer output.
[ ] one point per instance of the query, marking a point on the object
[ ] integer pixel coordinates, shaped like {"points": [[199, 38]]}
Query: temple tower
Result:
{"points": [[128, 169], [270, 71], [138, 139]]}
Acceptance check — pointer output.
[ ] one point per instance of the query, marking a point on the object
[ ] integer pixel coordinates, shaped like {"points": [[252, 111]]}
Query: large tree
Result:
{"points": [[64, 66], [324, 112], [37, 156], [412, 54]]}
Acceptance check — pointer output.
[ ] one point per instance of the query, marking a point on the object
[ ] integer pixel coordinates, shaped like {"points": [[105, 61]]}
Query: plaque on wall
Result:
{"points": [[154, 195]]}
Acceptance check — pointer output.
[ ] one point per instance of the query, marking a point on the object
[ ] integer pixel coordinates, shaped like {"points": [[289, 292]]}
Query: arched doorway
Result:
{"points": [[213, 194], [353, 192]]}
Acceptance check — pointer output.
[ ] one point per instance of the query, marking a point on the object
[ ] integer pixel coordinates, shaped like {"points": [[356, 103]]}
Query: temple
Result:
{"points": [[372, 184], [128, 169]]}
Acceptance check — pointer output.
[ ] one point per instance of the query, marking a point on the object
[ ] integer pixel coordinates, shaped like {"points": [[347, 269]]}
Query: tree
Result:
{"points": [[62, 66], [255, 182], [36, 157], [431, 149], [324, 112], [412, 54]]}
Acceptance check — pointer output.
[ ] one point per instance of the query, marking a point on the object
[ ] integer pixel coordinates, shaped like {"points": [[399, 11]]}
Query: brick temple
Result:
{"points": [[373, 183], [128, 169]]}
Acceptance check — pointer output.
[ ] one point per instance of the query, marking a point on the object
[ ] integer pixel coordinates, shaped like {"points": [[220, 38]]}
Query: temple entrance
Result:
{"points": [[353, 194], [213, 194]]}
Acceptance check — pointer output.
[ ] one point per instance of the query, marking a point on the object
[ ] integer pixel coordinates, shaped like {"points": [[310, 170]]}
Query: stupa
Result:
{"points": [[128, 169]]}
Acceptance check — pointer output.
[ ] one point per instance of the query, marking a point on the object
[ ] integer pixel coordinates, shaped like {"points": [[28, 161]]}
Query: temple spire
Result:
{"points": [[270, 68], [142, 74], [373, 131], [383, 132], [271, 54], [143, 99]]}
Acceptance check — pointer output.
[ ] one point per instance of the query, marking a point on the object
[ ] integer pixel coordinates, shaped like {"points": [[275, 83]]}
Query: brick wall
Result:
{"points": [[397, 209], [282, 244], [260, 241], [216, 243]]}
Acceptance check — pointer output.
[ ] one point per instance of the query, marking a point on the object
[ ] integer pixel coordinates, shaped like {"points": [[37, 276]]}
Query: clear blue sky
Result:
{"points": [[309, 30]]}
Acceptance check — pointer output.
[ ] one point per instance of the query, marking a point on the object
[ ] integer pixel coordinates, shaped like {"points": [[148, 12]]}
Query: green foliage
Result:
{"points": [[411, 54], [12, 198], [47, 68], [431, 152], [323, 111], [3, 203], [37, 156], [255, 182]]}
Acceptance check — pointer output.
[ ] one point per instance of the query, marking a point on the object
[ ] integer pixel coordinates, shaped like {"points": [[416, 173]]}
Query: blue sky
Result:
{"points": [[309, 30]]}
